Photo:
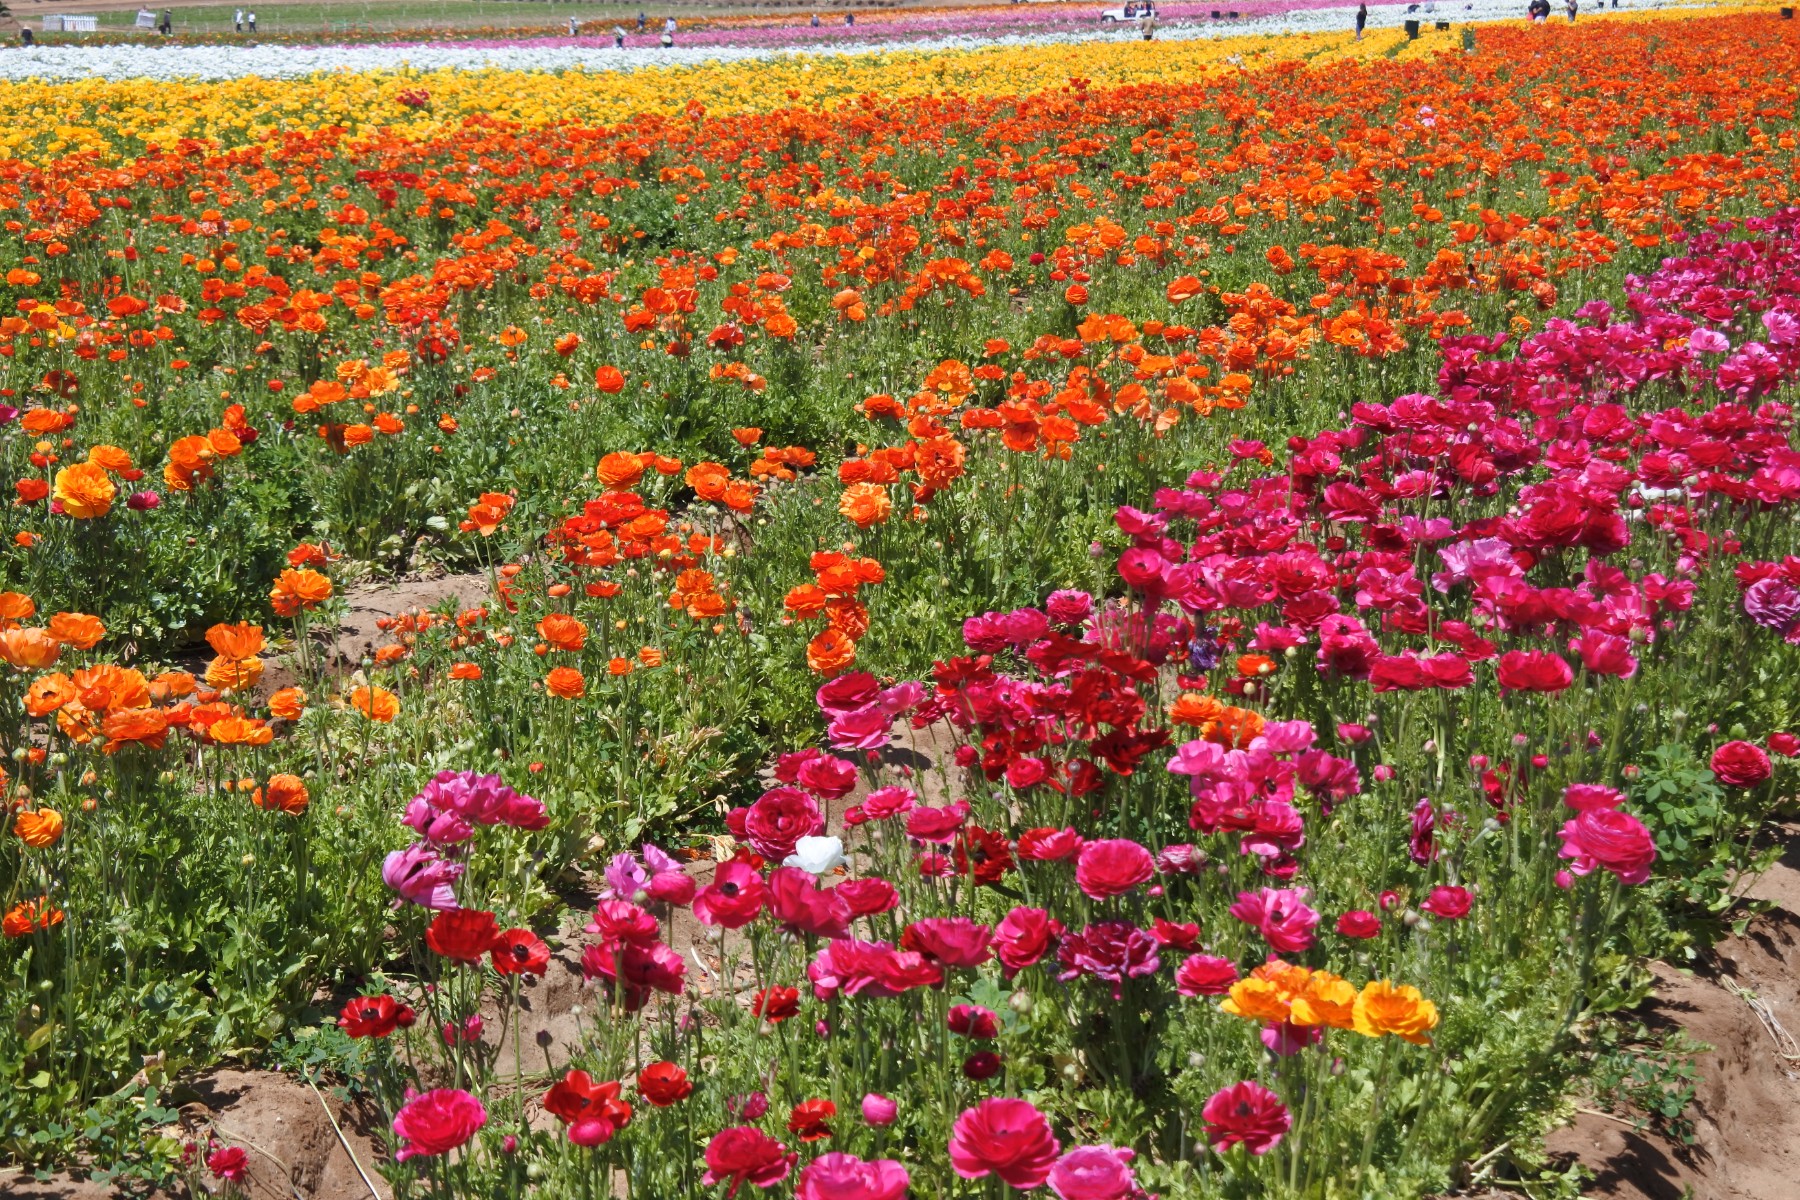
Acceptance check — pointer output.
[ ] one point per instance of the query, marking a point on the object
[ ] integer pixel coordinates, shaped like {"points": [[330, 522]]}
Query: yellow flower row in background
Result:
{"points": [[118, 118]]}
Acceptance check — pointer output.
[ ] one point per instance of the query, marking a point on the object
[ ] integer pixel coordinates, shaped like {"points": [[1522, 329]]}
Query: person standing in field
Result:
{"points": [[1571, 12], [251, 17], [1362, 19], [239, 20]]}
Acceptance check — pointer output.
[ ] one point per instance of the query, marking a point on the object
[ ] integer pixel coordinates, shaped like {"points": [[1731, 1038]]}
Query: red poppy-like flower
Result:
{"points": [[953, 941], [1247, 1114], [663, 1084], [798, 902], [1005, 1137], [1534, 671], [744, 1154], [592, 1111], [1359, 923], [811, 1120], [374, 1016], [776, 1004], [520, 952], [733, 899], [463, 934], [1049, 845]]}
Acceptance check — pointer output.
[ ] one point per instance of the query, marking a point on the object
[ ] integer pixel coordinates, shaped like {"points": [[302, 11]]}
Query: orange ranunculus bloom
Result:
{"points": [[190, 462], [144, 726], [865, 504], [747, 435], [563, 631], [739, 497], [112, 458], [565, 682], [1196, 709], [378, 704], [610, 380], [15, 607], [240, 731], [709, 480], [286, 793], [465, 670], [295, 590], [77, 629], [1383, 1007], [236, 641], [30, 916], [618, 470], [1325, 1000], [1236, 728], [830, 652], [171, 685], [288, 703], [40, 829], [106, 686], [85, 491], [650, 656], [234, 674], [29, 649], [48, 693], [620, 666]]}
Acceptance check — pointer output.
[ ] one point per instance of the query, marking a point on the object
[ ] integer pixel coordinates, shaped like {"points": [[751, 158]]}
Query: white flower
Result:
{"points": [[816, 854]]}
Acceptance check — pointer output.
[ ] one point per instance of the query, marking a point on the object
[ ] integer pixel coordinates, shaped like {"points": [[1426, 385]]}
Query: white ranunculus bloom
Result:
{"points": [[816, 854]]}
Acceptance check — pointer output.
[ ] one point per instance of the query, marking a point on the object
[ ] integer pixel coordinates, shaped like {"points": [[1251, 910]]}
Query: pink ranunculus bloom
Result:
{"points": [[1534, 671], [623, 921], [1785, 744], [827, 776], [744, 1154], [1606, 837], [973, 1021], [421, 876], [886, 802], [229, 1162], [1359, 923], [1094, 1173], [869, 896], [1113, 951], [837, 1176], [1447, 902], [1740, 765], [847, 693], [1048, 845], [865, 728], [1023, 937], [1205, 975], [1246, 1114], [1112, 867], [937, 825], [878, 1110], [1583, 796], [733, 899], [953, 941], [436, 1122], [1281, 915], [780, 818], [1005, 1137], [798, 902]]}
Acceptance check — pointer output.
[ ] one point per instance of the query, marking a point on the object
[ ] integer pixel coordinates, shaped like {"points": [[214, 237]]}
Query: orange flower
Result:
{"points": [[1196, 709], [465, 670], [565, 682], [143, 726], [106, 686], [29, 649], [610, 380], [190, 462], [112, 458], [747, 435], [289, 703], [1383, 1007], [171, 685], [15, 607], [77, 629], [563, 631], [865, 504], [377, 704], [830, 652], [619, 666], [48, 693], [618, 470], [29, 916], [295, 590], [709, 480], [85, 491], [236, 641], [1236, 728], [233, 674], [1252, 665], [650, 656], [1325, 1000], [285, 793], [40, 829]]}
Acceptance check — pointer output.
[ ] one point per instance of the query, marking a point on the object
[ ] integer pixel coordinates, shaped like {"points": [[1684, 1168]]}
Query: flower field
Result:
{"points": [[1107, 619]]}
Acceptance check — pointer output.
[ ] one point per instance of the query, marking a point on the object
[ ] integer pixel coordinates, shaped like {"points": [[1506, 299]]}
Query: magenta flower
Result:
{"points": [[422, 877], [1205, 975], [1004, 1137], [837, 1176], [1281, 915], [1112, 867], [1606, 837], [436, 1122], [1094, 1173], [1246, 1114]]}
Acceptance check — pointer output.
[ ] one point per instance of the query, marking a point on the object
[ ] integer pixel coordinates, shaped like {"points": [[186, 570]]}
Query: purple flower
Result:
{"points": [[421, 876], [1109, 950]]}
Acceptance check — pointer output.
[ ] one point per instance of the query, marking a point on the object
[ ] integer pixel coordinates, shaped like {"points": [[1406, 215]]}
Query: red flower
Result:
{"points": [[1005, 1137], [733, 899], [639, 969], [1447, 903], [984, 1064], [1534, 671], [1740, 765], [953, 941], [663, 1084], [743, 1154], [1205, 975], [592, 1111], [1049, 845], [1359, 923], [228, 1162], [776, 1004], [779, 819], [1785, 744], [1023, 937], [798, 902], [867, 897], [462, 934], [1248, 1114], [973, 1021], [374, 1016], [811, 1120], [520, 952]]}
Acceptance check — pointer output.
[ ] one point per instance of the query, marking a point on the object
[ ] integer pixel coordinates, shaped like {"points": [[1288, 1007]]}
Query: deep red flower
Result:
{"points": [[520, 952], [374, 1016], [663, 1084], [811, 1120], [462, 934], [744, 1154], [1245, 1113], [776, 1004], [592, 1111], [733, 899], [1448, 903], [1740, 765], [973, 1021], [1005, 1137], [1359, 923]]}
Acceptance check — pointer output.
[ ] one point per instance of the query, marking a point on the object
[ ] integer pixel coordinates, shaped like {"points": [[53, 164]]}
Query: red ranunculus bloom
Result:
{"points": [[1359, 923], [663, 1084], [1112, 867], [744, 1154], [1005, 1137], [463, 934], [1447, 903], [1534, 671], [592, 1111], [776, 1004], [520, 952], [1248, 1114], [811, 1120], [1740, 765], [374, 1016]]}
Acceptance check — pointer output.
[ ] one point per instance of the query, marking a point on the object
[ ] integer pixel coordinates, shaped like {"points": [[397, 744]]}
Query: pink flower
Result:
{"points": [[867, 897], [1048, 845], [1740, 765], [1205, 975], [1534, 671], [1112, 867], [733, 899], [1023, 937], [422, 877], [938, 825], [779, 819], [228, 1162], [1109, 950], [837, 1176], [1005, 1137], [953, 941], [1447, 902], [879, 1110], [1785, 744], [1281, 915], [744, 1154], [866, 728], [1248, 1114], [827, 776], [1583, 796], [1606, 837], [973, 1021], [1094, 1173], [436, 1122], [847, 693], [798, 902]]}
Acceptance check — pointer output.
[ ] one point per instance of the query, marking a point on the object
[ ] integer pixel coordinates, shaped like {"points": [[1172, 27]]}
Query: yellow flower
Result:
{"points": [[85, 490], [1401, 1010]]}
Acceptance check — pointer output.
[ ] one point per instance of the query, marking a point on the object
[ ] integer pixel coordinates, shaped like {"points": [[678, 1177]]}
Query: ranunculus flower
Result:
{"points": [[879, 1110], [837, 1176], [436, 1122], [816, 855], [664, 1083], [1094, 1173], [798, 902], [778, 820], [1048, 845], [1112, 867], [421, 876], [1785, 744], [1534, 671], [1023, 937], [1281, 915], [519, 952], [953, 941], [228, 1162], [1740, 765], [1447, 902], [374, 1016], [1005, 1137], [1609, 838], [867, 897], [1247, 1114], [464, 934], [1359, 923], [733, 899], [1583, 796], [592, 1111], [973, 1021], [744, 1154], [1205, 975]]}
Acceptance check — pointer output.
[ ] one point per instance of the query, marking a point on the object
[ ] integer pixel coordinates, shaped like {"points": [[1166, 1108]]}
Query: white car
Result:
{"points": [[1127, 12]]}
